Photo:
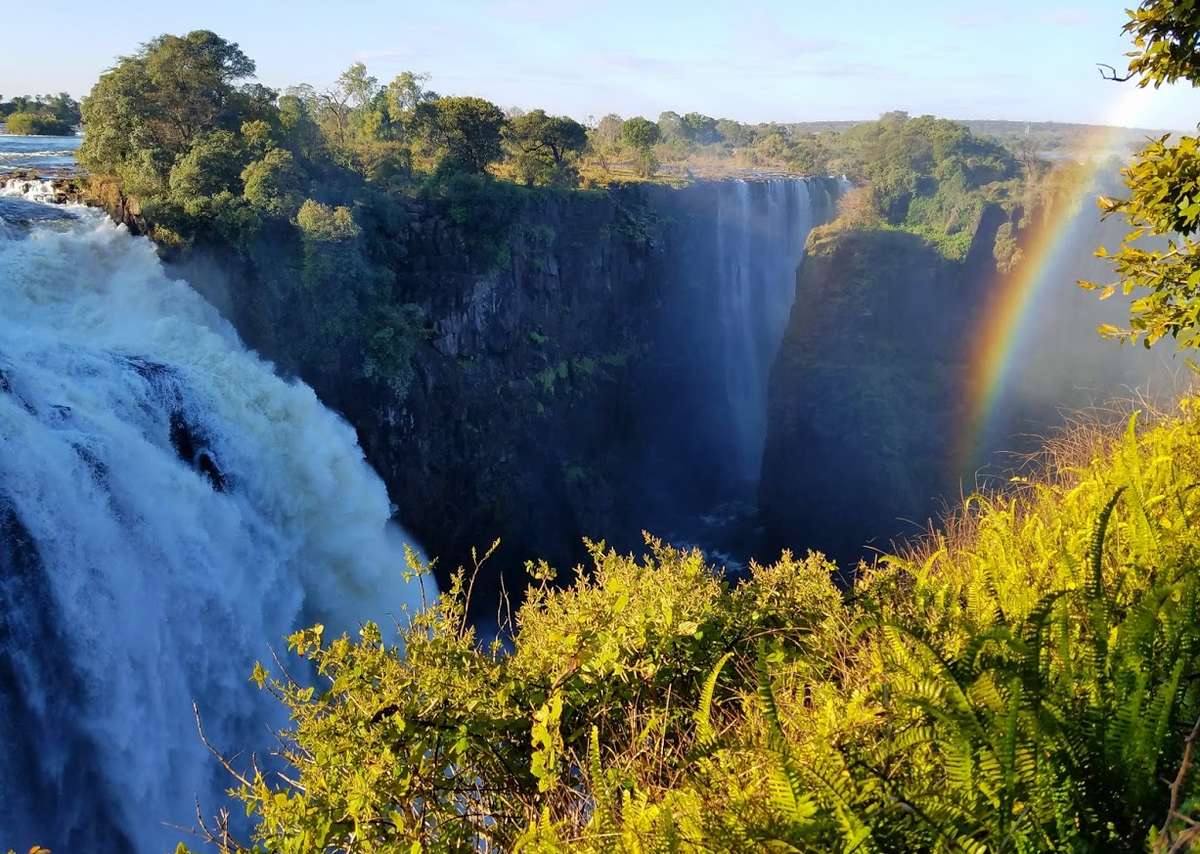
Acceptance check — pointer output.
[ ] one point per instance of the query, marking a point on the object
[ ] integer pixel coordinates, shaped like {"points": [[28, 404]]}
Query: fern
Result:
{"points": [[705, 734]]}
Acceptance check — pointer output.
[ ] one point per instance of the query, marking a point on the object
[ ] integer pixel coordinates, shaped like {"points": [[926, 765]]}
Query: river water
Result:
{"points": [[170, 509], [43, 155]]}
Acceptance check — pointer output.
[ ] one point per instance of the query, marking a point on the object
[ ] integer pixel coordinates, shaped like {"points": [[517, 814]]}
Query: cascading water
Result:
{"points": [[761, 230], [168, 509], [731, 277]]}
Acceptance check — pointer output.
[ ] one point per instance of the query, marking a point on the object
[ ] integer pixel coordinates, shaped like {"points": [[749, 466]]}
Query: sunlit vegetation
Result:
{"points": [[1163, 198], [40, 115], [1022, 681]]}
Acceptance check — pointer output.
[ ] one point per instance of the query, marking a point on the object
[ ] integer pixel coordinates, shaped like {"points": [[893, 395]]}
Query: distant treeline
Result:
{"points": [[1059, 138], [51, 115], [306, 188]]}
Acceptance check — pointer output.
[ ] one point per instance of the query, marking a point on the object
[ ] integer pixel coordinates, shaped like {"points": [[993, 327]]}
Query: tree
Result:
{"points": [[700, 129], [641, 134], [546, 147], [670, 125], [605, 139], [300, 133], [407, 92], [466, 133], [211, 165], [147, 111], [1164, 190], [360, 87], [274, 184], [36, 124]]}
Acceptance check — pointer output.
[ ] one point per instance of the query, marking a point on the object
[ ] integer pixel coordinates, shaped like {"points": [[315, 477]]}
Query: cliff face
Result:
{"points": [[591, 360], [593, 382], [523, 413], [865, 394]]}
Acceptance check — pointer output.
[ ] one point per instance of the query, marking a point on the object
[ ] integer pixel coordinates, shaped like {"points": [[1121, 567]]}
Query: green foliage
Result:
{"points": [[700, 129], [1165, 34], [485, 209], [545, 148], [212, 164], [37, 124], [322, 224], [1164, 193], [163, 97], [640, 133], [395, 333], [274, 184], [1021, 683], [928, 176], [61, 107], [1164, 200], [465, 133]]}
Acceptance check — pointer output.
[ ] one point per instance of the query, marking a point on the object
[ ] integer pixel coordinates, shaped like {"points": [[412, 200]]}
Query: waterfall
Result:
{"points": [[761, 230], [169, 510], [730, 261]]}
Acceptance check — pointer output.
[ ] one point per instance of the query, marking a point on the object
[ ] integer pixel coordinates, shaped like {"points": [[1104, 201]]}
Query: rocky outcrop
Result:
{"points": [[105, 191], [865, 394]]}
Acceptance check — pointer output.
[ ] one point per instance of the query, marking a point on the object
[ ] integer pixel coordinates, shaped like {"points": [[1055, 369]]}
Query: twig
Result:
{"points": [[1187, 836], [1112, 75], [225, 763]]}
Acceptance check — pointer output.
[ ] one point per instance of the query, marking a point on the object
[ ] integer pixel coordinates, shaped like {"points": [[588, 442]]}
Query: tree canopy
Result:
{"points": [[151, 108], [467, 132], [545, 147], [1164, 190]]}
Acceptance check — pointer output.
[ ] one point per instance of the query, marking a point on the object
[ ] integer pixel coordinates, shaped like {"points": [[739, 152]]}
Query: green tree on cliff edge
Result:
{"points": [[149, 110], [1164, 189]]}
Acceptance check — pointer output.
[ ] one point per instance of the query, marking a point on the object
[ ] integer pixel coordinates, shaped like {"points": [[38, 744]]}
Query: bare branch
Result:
{"points": [[224, 762], [1112, 73], [1186, 837]]}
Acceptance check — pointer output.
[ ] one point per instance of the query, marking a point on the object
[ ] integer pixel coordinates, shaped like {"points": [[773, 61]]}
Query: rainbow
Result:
{"points": [[1003, 326]]}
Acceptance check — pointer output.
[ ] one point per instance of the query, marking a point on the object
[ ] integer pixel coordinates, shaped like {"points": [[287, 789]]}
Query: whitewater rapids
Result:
{"points": [[169, 510]]}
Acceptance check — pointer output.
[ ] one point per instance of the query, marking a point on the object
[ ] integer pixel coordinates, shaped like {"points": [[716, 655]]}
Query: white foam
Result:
{"points": [[167, 589]]}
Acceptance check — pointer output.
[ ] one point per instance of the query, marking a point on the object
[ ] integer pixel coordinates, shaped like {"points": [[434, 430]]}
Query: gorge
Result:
{"points": [[597, 366], [602, 372]]}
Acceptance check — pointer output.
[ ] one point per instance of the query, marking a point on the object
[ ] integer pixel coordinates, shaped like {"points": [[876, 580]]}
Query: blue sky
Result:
{"points": [[751, 60]]}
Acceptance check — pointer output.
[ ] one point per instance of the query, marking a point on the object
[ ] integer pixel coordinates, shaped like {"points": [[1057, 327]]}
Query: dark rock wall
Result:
{"points": [[866, 393], [574, 382]]}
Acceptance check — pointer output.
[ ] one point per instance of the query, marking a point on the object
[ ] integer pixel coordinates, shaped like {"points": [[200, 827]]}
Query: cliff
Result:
{"points": [[864, 399], [585, 368], [522, 415]]}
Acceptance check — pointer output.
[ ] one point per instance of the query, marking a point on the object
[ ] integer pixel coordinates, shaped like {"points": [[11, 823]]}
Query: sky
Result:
{"points": [[750, 60]]}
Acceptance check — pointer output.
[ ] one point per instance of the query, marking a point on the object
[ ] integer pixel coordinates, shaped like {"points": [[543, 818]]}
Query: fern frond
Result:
{"points": [[705, 735]]}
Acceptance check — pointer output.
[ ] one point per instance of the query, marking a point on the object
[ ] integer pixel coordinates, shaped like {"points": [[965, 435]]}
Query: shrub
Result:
{"points": [[36, 124], [1023, 682]]}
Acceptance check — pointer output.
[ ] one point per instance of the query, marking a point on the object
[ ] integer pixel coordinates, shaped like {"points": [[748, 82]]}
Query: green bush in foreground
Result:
{"points": [[1025, 682]]}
